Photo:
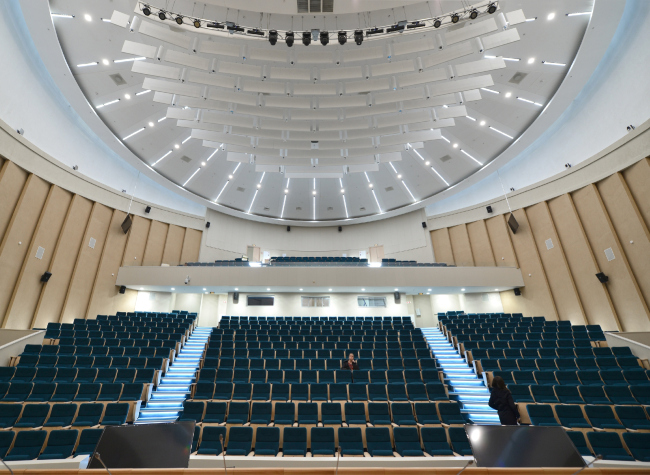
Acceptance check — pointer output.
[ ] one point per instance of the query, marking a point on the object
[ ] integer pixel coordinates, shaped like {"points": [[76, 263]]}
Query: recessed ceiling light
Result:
{"points": [[427, 163], [202, 164], [363, 290], [230, 177], [329, 290], [300, 290], [429, 290], [236, 288], [141, 288], [531, 60], [396, 290], [127, 96], [268, 289], [370, 185], [177, 146], [286, 191], [151, 124], [496, 290], [399, 176], [105, 62], [463, 290], [342, 190], [482, 122], [88, 17], [204, 290], [259, 186], [173, 288], [550, 16], [508, 94], [455, 145], [313, 192]]}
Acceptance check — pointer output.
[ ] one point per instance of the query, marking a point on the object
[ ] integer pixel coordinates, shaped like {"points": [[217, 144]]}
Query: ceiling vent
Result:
{"points": [[186, 159], [240, 189], [446, 158], [117, 79], [390, 188], [266, 209], [315, 6], [298, 208], [329, 208], [328, 6], [518, 77], [303, 6], [362, 209]]}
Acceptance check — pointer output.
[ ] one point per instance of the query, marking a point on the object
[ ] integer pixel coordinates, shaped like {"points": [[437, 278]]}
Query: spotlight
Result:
{"points": [[358, 37], [343, 37], [273, 37], [161, 15], [473, 14], [197, 23], [491, 8], [289, 39], [306, 38], [437, 23], [179, 20], [324, 38], [146, 10], [455, 18]]}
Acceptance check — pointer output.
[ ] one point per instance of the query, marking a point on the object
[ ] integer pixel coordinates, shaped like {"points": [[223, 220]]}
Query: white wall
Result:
{"points": [[470, 303], [154, 302], [402, 237]]}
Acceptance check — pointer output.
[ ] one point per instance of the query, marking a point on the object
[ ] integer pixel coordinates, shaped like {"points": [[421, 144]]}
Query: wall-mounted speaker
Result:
{"points": [[424, 224], [517, 292], [45, 277], [207, 225], [235, 297], [602, 278], [397, 297], [340, 228], [147, 209], [288, 228], [489, 209], [123, 289]]}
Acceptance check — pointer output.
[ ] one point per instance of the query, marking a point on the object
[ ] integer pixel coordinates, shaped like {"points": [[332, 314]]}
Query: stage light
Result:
{"points": [[491, 8], [273, 37], [179, 20], [358, 37], [289, 38], [146, 10], [197, 23], [324, 38], [473, 14], [343, 37], [306, 38], [455, 18], [162, 15]]}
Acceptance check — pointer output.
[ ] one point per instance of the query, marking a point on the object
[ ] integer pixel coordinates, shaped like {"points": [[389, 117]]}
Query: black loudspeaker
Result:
{"points": [[397, 297], [517, 292], [45, 277], [235, 297], [602, 278], [123, 289], [147, 209], [424, 224], [512, 222], [489, 209], [340, 228], [126, 224], [207, 225], [288, 228]]}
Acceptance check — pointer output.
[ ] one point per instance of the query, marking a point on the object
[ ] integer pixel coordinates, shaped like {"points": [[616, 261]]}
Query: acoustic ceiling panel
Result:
{"points": [[163, 33]]}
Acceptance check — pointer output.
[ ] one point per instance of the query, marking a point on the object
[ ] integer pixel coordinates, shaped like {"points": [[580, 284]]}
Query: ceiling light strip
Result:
{"points": [[212, 155], [550, 63], [251, 206], [578, 13], [471, 157], [186, 140], [345, 205], [529, 101], [407, 189], [193, 175], [141, 58], [314, 208], [439, 176], [107, 104], [156, 162], [224, 187], [136, 132], [161, 119], [61, 15], [94, 63], [490, 90], [142, 92], [470, 118], [283, 203], [500, 132], [377, 201]]}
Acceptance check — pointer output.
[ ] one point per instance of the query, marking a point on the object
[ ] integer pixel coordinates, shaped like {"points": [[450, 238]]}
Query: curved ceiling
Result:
{"points": [[315, 135]]}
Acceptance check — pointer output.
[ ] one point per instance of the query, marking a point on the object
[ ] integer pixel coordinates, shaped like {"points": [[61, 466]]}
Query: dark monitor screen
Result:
{"points": [[512, 222], [522, 446], [145, 446], [256, 301]]}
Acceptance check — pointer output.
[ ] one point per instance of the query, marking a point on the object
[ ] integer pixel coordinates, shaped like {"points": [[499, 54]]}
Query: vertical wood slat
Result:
{"points": [[637, 178], [12, 182], [24, 300], [442, 246], [173, 245], [460, 246], [504, 252], [136, 242], [17, 238], [191, 245], [153, 251], [480, 244]]}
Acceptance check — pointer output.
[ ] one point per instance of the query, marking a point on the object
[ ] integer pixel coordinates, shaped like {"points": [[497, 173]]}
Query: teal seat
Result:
{"points": [[60, 444], [435, 442]]}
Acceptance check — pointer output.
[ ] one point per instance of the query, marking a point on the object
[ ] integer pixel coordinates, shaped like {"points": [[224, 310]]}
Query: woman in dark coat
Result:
{"points": [[501, 400]]}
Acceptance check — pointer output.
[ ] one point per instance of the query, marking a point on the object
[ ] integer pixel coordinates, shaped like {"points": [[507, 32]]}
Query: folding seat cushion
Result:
{"points": [[625, 362], [238, 413], [402, 413], [633, 417], [620, 395], [377, 392], [640, 393], [18, 392], [450, 413], [639, 445], [110, 392], [397, 392], [115, 414], [41, 392], [379, 442], [9, 414], [322, 441], [609, 445], [45, 375], [541, 415], [242, 392], [223, 391], [60, 444], [61, 415], [567, 378], [285, 413], [300, 392], [261, 413], [578, 439], [426, 413], [106, 375], [23, 374], [215, 412], [241, 376], [436, 391], [240, 440], [378, 413], [459, 441], [594, 395], [27, 446], [613, 378], [192, 411], [570, 415], [636, 377], [211, 439], [545, 378], [435, 442], [524, 377], [294, 441], [602, 417], [407, 442], [416, 392], [267, 441], [307, 413], [350, 441], [543, 394], [355, 413]]}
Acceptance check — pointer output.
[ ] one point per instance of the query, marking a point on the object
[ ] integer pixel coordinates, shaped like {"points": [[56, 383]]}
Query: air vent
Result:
{"points": [[328, 6], [266, 209], [446, 158], [362, 209], [303, 6], [117, 79], [329, 208], [518, 77], [240, 189], [298, 208], [186, 159], [314, 6], [390, 188]]}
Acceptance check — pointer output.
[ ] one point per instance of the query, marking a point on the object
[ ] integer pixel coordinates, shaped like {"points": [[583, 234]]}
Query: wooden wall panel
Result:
{"points": [[105, 296], [136, 241], [191, 245], [12, 182], [153, 252], [626, 296], [500, 241], [582, 264], [480, 243], [52, 298], [637, 178], [17, 238], [560, 280], [460, 246], [442, 246], [28, 286], [536, 298], [173, 245], [83, 277]]}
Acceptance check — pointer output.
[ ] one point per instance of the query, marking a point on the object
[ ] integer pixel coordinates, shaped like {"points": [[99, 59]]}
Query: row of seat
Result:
{"points": [[580, 394], [318, 328], [44, 445], [599, 417], [69, 375], [314, 342], [312, 377], [113, 331], [318, 351], [112, 351], [516, 353], [30, 416], [116, 362], [66, 392], [133, 339], [630, 377], [426, 361], [432, 391], [563, 364]]}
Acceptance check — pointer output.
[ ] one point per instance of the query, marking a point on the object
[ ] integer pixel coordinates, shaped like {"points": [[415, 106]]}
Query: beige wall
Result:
{"points": [[35, 213]]}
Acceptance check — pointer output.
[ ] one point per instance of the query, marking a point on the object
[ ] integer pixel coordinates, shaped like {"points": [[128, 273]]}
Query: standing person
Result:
{"points": [[350, 363], [501, 400]]}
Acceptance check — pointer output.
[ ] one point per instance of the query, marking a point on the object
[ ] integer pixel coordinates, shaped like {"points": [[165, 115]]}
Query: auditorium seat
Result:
{"points": [[223, 391], [192, 411], [640, 393], [307, 413], [60, 444], [378, 441], [602, 417], [27, 446], [619, 395], [633, 417], [450, 413], [435, 442], [6, 439], [331, 414], [18, 392], [280, 392], [322, 441], [541, 415], [240, 440], [609, 445], [569, 415], [318, 392], [568, 395], [88, 415], [261, 413], [211, 440], [436, 391], [459, 442], [215, 412], [267, 440], [285, 413], [61, 415], [355, 413], [295, 441], [593, 394], [115, 414], [339, 392], [88, 392], [426, 413], [350, 441], [33, 415], [407, 442], [9, 414], [110, 392], [238, 413], [639, 445], [402, 414], [379, 413]]}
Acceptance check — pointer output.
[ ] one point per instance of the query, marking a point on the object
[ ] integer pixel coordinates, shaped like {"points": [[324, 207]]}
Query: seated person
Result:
{"points": [[350, 363]]}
